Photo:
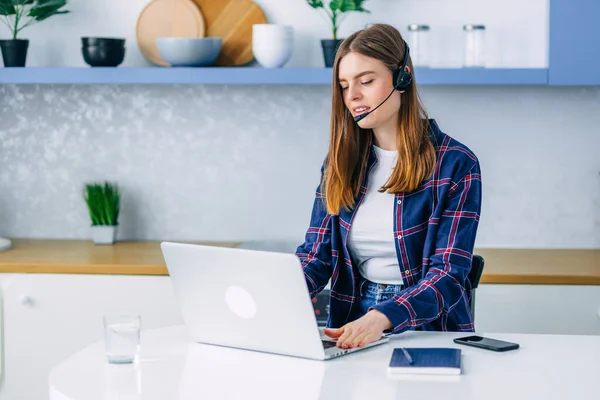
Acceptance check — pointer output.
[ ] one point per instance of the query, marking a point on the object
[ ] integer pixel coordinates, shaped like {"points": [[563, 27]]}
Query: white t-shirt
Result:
{"points": [[371, 236]]}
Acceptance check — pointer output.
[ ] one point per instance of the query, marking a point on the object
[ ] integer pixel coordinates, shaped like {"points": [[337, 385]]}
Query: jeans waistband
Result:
{"points": [[366, 285]]}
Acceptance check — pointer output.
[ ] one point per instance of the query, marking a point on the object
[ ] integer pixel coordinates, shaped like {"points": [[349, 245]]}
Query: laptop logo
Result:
{"points": [[240, 302]]}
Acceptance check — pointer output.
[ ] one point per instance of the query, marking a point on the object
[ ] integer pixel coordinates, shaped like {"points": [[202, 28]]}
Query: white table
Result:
{"points": [[170, 367]]}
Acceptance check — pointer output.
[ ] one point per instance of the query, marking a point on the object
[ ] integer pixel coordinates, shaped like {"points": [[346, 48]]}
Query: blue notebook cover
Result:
{"points": [[426, 360]]}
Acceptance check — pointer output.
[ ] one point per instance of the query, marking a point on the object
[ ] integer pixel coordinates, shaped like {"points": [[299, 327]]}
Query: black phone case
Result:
{"points": [[483, 346]]}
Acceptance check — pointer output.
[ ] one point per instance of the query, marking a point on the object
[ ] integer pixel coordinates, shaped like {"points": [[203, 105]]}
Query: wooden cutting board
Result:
{"points": [[167, 18], [232, 21]]}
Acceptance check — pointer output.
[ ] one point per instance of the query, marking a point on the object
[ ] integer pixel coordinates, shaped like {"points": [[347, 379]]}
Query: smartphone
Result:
{"points": [[487, 343]]}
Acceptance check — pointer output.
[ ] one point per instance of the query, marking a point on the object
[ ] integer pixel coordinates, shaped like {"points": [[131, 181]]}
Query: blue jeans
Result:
{"points": [[369, 294]]}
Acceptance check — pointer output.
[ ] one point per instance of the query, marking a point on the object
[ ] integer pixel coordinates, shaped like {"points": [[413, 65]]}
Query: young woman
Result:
{"points": [[396, 212]]}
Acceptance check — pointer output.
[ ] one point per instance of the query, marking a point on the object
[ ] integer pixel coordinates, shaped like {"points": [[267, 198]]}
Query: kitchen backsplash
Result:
{"points": [[242, 163]]}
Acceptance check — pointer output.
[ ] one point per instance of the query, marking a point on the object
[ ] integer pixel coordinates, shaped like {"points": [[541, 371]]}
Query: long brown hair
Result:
{"points": [[349, 145]]}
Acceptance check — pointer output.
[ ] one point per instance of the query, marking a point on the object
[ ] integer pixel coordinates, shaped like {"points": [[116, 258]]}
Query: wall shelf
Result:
{"points": [[256, 76]]}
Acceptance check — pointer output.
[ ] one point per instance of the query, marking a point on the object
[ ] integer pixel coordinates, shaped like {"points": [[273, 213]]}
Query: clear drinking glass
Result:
{"points": [[418, 41], [122, 338], [474, 45]]}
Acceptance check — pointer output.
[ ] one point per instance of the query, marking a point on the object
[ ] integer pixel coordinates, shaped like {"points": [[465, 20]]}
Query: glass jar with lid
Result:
{"points": [[474, 45], [418, 41]]}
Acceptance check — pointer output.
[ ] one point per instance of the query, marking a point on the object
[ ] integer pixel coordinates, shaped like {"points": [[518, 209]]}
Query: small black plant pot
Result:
{"points": [[330, 47], [14, 52]]}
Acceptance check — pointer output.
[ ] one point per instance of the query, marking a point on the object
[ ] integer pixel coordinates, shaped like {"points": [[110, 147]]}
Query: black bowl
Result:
{"points": [[103, 56], [102, 41]]}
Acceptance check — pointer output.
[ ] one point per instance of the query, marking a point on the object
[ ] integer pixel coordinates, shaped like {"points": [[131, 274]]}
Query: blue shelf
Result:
{"points": [[482, 76], [255, 76]]}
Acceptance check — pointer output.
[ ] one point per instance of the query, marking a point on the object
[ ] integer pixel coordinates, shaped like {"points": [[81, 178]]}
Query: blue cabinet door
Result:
{"points": [[574, 44]]}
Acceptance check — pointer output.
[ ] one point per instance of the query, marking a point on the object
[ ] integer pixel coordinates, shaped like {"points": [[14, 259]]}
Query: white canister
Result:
{"points": [[418, 42], [272, 44], [474, 45]]}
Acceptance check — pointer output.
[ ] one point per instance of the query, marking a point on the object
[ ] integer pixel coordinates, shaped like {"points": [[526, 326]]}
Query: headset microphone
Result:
{"points": [[401, 78], [364, 115]]}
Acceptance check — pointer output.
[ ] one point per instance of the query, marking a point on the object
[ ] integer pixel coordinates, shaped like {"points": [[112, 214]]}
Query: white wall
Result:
{"points": [[517, 30]]}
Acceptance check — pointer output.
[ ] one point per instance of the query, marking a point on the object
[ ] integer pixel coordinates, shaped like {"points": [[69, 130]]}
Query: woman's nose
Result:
{"points": [[353, 93]]}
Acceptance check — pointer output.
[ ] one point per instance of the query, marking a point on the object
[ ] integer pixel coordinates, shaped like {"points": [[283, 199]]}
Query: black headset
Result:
{"points": [[401, 77]]}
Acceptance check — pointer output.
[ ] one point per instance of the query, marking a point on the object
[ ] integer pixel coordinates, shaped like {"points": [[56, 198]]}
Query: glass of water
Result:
{"points": [[122, 338]]}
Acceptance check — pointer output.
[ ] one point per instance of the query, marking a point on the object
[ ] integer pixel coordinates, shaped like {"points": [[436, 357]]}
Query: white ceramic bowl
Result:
{"points": [[189, 52], [272, 44]]}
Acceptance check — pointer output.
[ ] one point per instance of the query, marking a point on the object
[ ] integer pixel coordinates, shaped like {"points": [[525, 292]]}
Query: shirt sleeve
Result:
{"points": [[443, 286], [315, 252]]}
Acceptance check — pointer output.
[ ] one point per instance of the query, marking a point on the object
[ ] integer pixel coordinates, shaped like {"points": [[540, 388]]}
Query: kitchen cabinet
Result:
{"points": [[574, 43], [55, 292], [48, 317], [546, 309]]}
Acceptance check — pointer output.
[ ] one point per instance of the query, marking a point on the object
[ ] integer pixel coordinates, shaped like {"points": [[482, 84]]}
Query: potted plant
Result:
{"points": [[103, 202], [19, 14], [336, 12]]}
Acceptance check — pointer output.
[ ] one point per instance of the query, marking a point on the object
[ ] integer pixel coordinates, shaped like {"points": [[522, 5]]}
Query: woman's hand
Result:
{"points": [[361, 332]]}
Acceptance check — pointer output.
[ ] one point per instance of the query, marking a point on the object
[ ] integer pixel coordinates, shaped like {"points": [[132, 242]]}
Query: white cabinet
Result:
{"points": [[550, 309], [48, 317]]}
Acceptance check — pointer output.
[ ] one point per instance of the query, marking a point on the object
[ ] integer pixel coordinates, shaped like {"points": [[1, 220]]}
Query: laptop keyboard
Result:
{"points": [[328, 344]]}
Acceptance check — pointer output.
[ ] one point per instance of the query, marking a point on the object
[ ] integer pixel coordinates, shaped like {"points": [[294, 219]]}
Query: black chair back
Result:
{"points": [[476, 270], [474, 277]]}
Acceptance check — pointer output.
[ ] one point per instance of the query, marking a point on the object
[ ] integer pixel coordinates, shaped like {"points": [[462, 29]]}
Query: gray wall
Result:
{"points": [[242, 163]]}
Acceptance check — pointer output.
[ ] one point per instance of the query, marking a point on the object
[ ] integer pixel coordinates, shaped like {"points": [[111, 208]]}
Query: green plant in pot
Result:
{"points": [[103, 203], [336, 11], [18, 15]]}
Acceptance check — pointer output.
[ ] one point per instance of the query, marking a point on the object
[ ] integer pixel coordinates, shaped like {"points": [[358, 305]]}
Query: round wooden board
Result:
{"points": [[232, 21], [167, 18]]}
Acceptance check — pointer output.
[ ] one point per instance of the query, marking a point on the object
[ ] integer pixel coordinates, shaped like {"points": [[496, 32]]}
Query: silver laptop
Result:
{"points": [[247, 299]]}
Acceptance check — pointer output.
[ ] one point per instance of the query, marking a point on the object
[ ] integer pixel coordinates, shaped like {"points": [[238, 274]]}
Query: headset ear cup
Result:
{"points": [[402, 79], [407, 80]]}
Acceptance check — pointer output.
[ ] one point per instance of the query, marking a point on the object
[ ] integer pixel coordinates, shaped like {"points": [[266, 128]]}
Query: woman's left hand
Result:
{"points": [[360, 332]]}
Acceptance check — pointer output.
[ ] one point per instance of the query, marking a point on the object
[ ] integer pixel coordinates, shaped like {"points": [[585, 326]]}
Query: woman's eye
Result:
{"points": [[344, 88], [367, 82]]}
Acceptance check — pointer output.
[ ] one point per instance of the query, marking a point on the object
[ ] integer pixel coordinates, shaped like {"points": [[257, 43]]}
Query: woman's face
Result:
{"points": [[365, 83]]}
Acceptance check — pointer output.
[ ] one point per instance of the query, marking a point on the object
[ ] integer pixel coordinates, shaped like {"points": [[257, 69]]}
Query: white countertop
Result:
{"points": [[545, 367]]}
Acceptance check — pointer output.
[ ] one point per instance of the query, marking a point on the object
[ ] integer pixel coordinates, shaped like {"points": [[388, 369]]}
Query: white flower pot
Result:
{"points": [[104, 234], [5, 244]]}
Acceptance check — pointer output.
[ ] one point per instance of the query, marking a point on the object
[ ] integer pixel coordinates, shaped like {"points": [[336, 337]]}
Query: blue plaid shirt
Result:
{"points": [[434, 230]]}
